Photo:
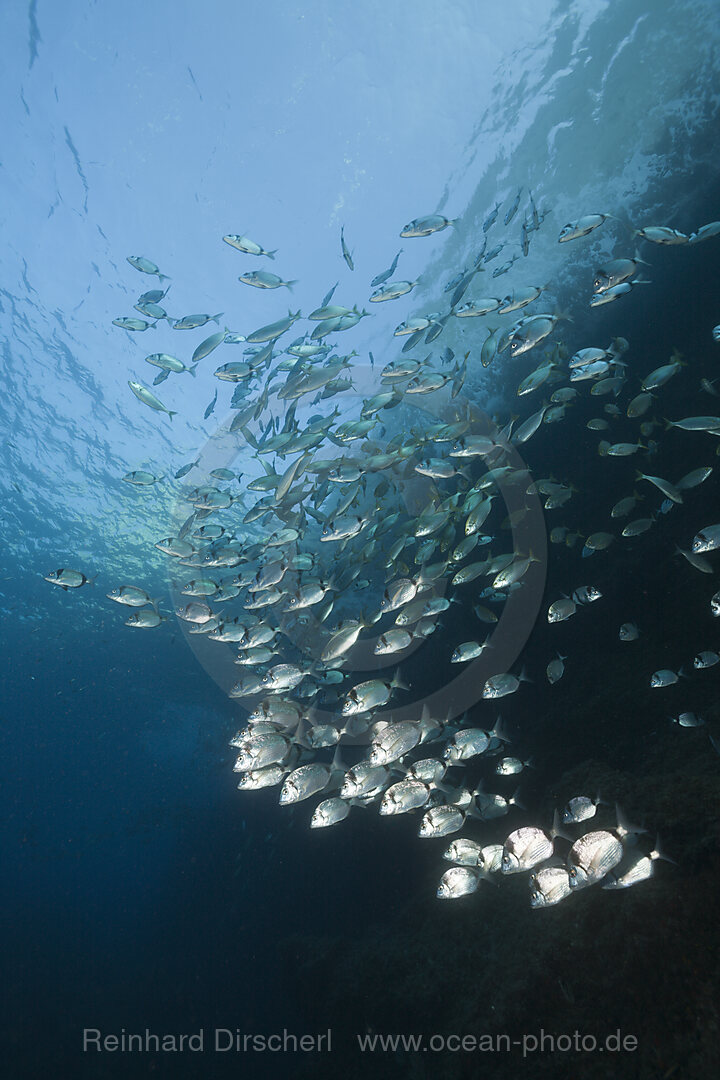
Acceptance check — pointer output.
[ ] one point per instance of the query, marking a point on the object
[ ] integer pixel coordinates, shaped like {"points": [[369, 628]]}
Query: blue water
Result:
{"points": [[142, 890]]}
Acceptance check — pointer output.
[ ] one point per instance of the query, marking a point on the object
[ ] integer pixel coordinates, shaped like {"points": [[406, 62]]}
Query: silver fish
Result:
{"points": [[549, 886], [592, 857], [458, 881], [524, 849]]}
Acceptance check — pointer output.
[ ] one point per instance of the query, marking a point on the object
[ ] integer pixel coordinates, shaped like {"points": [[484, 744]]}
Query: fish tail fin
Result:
{"points": [[192, 369], [337, 764], [289, 284], [91, 580], [623, 827], [557, 831], [499, 731], [515, 800], [164, 277], [217, 318], [658, 853], [271, 254], [172, 412], [397, 683]]}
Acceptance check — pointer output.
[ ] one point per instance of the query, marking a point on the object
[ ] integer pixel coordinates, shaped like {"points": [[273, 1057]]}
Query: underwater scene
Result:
{"points": [[360, 583]]}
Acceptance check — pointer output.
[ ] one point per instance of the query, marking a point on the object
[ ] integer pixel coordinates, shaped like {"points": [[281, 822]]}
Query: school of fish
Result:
{"points": [[343, 538]]}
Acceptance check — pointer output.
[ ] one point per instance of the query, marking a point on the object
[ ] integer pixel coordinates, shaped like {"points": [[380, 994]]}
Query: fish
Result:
{"points": [[664, 677], [154, 296], [379, 279], [580, 808], [169, 363], [127, 323], [465, 853], [661, 234], [615, 272], [555, 669], [708, 539], [404, 796], [131, 596], [468, 650], [524, 849], [531, 332], [549, 886], [513, 209], [209, 410], [142, 393], [191, 322], [696, 560], [141, 479], [561, 610], [694, 478], [144, 620], [629, 632], [153, 311], [615, 292], [441, 821], [661, 375], [273, 331], [491, 218], [598, 541], [476, 308], [425, 226], [262, 279], [249, 247], [638, 527], [329, 812], [392, 291], [697, 423], [498, 686], [305, 781], [582, 227], [146, 266], [592, 857], [345, 252], [640, 869], [625, 506], [371, 695], [458, 881], [705, 660], [688, 719], [519, 298], [206, 347], [68, 579], [704, 232]]}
